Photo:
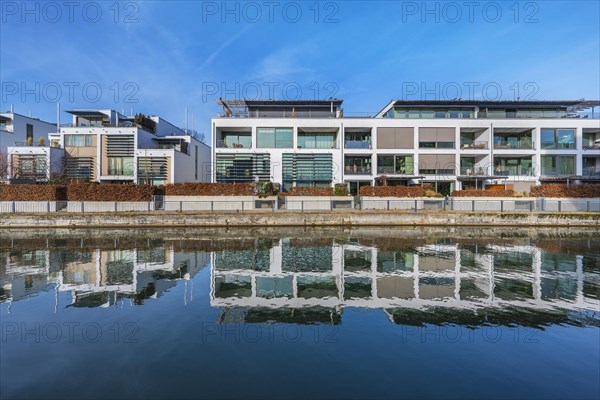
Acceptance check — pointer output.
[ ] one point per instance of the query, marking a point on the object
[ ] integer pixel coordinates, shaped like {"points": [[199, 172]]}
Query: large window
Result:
{"points": [[236, 140], [120, 166], [357, 165], [316, 141], [513, 166], [557, 138], [243, 167], [274, 138], [558, 165], [78, 140], [395, 164], [314, 170]]}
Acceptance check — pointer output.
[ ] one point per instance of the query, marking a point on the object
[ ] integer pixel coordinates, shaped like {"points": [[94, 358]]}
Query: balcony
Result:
{"points": [[556, 172], [477, 145], [513, 145]]}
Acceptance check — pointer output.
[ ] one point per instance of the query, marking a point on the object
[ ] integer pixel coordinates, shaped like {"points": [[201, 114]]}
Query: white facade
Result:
{"points": [[107, 147], [488, 154]]}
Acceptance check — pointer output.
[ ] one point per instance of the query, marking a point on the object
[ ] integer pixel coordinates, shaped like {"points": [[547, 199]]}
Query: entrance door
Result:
{"points": [[355, 187]]}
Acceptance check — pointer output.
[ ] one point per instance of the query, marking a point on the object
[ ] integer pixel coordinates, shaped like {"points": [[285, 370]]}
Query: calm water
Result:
{"points": [[293, 313]]}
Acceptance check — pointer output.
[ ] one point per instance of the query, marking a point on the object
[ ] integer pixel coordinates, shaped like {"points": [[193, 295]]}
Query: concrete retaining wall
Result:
{"points": [[262, 219], [406, 203], [108, 206], [570, 205]]}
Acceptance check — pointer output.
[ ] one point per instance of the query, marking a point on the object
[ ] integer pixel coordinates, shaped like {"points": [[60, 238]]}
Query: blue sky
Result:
{"points": [[158, 58]]}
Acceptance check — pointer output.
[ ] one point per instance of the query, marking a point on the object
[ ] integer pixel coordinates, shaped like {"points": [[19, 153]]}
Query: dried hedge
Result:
{"points": [[392, 191], [308, 191], [32, 193], [111, 192], [483, 193], [563, 190], [210, 189]]}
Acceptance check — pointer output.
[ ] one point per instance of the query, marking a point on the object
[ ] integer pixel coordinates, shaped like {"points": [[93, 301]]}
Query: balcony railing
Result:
{"points": [[357, 170], [514, 171], [439, 171], [393, 171], [591, 171], [124, 171], [357, 144], [477, 145], [473, 171], [556, 172], [232, 145], [510, 145]]}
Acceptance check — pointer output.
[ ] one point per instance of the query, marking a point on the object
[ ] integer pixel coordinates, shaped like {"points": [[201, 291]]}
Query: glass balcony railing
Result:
{"points": [[513, 171], [510, 144], [222, 144], [557, 172], [473, 171], [477, 145], [357, 170], [591, 171], [357, 144]]}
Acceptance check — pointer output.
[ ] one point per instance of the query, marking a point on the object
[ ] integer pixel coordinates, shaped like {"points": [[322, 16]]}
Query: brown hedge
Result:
{"points": [[111, 192], [308, 191], [392, 191], [32, 193], [483, 193], [563, 190], [210, 189]]}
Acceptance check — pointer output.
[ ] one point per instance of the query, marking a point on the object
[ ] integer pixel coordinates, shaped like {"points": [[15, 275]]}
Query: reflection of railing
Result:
{"points": [[546, 171]]}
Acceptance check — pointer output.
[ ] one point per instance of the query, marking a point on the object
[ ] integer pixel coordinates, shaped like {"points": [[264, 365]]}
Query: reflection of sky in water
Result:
{"points": [[338, 313]]}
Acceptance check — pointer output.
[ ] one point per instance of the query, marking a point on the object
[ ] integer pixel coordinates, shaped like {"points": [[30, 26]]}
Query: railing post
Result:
{"points": [[416, 204], [588, 206], [501, 206], [82, 207], [302, 205], [13, 207], [212, 206], [116, 206], [388, 205], [148, 206], [48, 207], [472, 205], [180, 206], [531, 206], [559, 206]]}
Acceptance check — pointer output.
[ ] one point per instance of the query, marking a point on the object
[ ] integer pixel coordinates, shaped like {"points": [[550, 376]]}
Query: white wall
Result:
{"points": [[374, 123], [18, 130]]}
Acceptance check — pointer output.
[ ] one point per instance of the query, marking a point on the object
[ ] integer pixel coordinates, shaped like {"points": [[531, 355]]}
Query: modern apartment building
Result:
{"points": [[450, 144], [18, 130], [107, 147]]}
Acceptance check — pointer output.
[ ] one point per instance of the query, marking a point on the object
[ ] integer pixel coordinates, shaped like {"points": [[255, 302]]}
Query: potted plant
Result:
{"points": [[41, 141], [29, 141]]}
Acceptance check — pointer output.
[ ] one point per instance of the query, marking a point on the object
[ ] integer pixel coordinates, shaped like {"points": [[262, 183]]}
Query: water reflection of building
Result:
{"points": [[97, 276], [291, 274]]}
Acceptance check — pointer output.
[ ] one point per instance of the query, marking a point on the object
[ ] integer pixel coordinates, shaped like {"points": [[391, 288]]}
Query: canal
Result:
{"points": [[297, 313]]}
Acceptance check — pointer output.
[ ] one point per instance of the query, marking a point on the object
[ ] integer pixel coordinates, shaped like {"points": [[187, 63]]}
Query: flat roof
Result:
{"points": [[267, 103], [569, 105]]}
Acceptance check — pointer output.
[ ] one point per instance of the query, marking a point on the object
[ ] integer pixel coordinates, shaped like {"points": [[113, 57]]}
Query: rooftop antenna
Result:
{"points": [[57, 117], [193, 122], [11, 108], [186, 120]]}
